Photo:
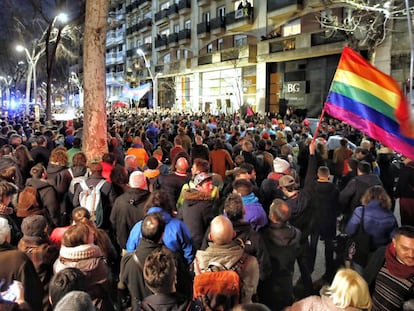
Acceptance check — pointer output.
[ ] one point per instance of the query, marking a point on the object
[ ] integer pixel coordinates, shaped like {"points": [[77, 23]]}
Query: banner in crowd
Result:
{"points": [[136, 93], [371, 101]]}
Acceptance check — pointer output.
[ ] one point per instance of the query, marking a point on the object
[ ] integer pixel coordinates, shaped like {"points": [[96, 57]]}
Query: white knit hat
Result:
{"points": [[85, 251], [280, 165]]}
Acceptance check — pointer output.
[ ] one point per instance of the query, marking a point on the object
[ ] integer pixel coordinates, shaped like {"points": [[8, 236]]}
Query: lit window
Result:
{"points": [[240, 40], [292, 28], [220, 43], [187, 24], [210, 48], [164, 5]]}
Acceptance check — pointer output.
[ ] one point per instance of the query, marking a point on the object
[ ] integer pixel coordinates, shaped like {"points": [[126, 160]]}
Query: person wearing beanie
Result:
{"points": [[75, 301], [37, 246], [151, 172], [78, 251]]}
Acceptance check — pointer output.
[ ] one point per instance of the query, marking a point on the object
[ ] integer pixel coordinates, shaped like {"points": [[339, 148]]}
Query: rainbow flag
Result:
{"points": [[371, 101]]}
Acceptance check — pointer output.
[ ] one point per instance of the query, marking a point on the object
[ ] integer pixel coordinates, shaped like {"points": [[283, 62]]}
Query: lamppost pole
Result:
{"points": [[154, 79], [32, 60]]}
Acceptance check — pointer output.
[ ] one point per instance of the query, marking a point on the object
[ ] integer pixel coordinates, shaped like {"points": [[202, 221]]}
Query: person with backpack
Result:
{"points": [[223, 263], [39, 198], [96, 195]]}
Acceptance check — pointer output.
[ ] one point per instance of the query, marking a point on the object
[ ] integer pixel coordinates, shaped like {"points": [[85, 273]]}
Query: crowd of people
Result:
{"points": [[182, 202]]}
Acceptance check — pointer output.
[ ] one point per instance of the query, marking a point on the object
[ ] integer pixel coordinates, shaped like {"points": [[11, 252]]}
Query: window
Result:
{"points": [[210, 48], [165, 32], [187, 24], [220, 44], [148, 39], [221, 11], [206, 17], [164, 5], [240, 40], [167, 58], [176, 28], [292, 28]]}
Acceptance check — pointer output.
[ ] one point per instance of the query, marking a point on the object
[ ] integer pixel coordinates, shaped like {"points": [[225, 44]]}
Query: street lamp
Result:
{"points": [[32, 59], [7, 83], [141, 53], [76, 81]]}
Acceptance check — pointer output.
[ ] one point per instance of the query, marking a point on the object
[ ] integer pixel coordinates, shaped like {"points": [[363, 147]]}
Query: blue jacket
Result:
{"points": [[379, 223], [255, 214], [176, 237]]}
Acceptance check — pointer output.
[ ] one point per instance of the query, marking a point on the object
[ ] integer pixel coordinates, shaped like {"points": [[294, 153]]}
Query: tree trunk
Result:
{"points": [[94, 124]]}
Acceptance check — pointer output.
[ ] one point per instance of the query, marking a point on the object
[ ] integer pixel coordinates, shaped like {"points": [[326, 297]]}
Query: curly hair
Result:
{"points": [[79, 159], [377, 193], [59, 156]]}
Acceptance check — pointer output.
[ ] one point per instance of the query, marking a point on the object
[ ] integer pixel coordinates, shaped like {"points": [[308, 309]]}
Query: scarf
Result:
{"points": [[395, 267]]}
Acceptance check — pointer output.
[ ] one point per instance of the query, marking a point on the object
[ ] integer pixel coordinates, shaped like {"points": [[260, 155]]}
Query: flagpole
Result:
{"points": [[410, 36], [319, 123]]}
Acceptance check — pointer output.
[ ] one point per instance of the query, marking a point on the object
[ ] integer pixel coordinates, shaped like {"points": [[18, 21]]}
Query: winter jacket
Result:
{"points": [[48, 199], [17, 266], [350, 196], [379, 223], [405, 184], [127, 210], [88, 258], [176, 236], [282, 242], [255, 214], [228, 255], [197, 212]]}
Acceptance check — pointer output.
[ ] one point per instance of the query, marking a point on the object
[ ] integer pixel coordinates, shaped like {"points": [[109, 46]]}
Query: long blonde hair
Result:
{"points": [[349, 289]]}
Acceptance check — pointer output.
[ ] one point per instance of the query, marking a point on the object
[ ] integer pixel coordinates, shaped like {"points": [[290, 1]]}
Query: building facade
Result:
{"points": [[217, 55]]}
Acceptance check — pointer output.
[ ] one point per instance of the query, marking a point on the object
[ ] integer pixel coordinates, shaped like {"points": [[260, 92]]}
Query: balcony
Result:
{"points": [[110, 58], [142, 4], [178, 65], [203, 30], [110, 78], [145, 25], [281, 9], [161, 17], [203, 2], [184, 7], [119, 76], [159, 68], [161, 43], [119, 36], [244, 54], [184, 36], [119, 58], [205, 59], [239, 20], [173, 11], [320, 38], [146, 48], [282, 45], [173, 39], [218, 25]]}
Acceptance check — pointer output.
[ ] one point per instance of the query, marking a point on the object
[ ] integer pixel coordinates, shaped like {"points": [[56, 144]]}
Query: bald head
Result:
{"points": [[181, 165], [221, 230]]}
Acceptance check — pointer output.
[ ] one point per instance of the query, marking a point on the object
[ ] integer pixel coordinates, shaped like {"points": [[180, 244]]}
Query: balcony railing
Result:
{"points": [[172, 38], [184, 34], [161, 41], [173, 10], [320, 38], [205, 59], [161, 16], [146, 47], [282, 45], [144, 24], [143, 3], [273, 5], [238, 16], [218, 24], [203, 28], [184, 6]]}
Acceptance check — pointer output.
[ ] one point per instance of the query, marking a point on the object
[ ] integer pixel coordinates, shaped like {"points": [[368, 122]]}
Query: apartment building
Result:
{"points": [[217, 55]]}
